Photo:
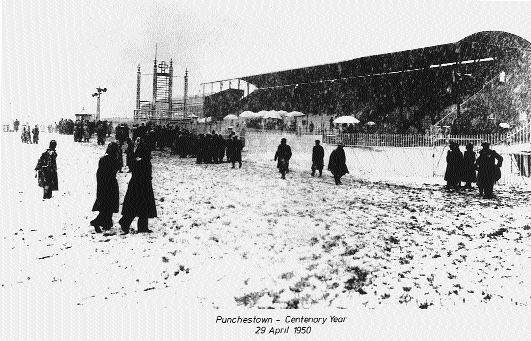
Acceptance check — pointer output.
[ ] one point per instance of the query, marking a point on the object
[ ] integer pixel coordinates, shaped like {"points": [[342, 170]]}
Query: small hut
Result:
{"points": [[84, 116]]}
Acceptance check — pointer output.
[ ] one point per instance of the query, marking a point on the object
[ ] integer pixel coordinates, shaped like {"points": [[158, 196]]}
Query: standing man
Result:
{"points": [[337, 163], [107, 191], [488, 170], [36, 134], [47, 170], [454, 167], [283, 155], [101, 133], [469, 166], [15, 125], [317, 158], [236, 151], [139, 199]]}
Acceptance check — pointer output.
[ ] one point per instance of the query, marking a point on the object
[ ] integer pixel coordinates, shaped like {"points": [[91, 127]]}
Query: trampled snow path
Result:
{"points": [[243, 237]]}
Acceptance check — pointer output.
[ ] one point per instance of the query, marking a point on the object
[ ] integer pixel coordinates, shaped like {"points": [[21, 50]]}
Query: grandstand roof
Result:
{"points": [[486, 45]]}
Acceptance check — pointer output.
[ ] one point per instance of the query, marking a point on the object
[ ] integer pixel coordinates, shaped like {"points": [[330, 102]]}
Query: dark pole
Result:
{"points": [[98, 94]]}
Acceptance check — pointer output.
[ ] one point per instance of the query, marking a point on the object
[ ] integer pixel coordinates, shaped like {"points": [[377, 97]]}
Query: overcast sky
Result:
{"points": [[56, 52]]}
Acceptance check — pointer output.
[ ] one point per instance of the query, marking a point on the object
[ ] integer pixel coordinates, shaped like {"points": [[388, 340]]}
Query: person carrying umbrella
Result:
{"points": [[283, 155], [337, 163]]}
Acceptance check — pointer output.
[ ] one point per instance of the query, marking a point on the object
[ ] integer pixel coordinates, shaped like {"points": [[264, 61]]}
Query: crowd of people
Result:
{"points": [[463, 167], [212, 148], [139, 200]]}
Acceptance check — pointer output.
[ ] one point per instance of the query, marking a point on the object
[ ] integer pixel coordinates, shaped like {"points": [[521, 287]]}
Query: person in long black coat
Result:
{"points": [[317, 158], [236, 151], [283, 155], [469, 166], [139, 199], [454, 167], [337, 164], [488, 170], [47, 170], [107, 193], [35, 132]]}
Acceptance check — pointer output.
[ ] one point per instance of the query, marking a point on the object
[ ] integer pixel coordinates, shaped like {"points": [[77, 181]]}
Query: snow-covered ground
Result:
{"points": [[245, 238]]}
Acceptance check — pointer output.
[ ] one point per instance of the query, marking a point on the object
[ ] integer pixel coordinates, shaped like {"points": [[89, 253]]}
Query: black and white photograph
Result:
{"points": [[211, 170]]}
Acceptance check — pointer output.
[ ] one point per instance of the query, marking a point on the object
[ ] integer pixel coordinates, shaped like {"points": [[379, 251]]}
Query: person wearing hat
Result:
{"points": [[107, 193], [488, 170], [337, 164], [46, 170], [469, 167], [139, 200], [317, 158], [236, 152], [454, 167], [283, 155]]}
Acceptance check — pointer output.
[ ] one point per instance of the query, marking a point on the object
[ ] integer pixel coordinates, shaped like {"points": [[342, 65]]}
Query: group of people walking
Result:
{"points": [[463, 167], [337, 163], [139, 200]]}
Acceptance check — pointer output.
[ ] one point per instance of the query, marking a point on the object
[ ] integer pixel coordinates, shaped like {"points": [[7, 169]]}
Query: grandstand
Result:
{"points": [[402, 92]]}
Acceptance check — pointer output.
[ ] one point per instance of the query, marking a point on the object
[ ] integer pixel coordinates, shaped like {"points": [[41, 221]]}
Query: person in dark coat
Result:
{"points": [[139, 199], [488, 170], [454, 167], [317, 158], [47, 170], [236, 152], [337, 164], [101, 133], [35, 132], [107, 194], [229, 143], [201, 146], [469, 166], [283, 155], [222, 145]]}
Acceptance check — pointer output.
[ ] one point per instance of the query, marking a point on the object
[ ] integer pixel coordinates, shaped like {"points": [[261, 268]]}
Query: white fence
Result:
{"points": [[392, 157]]}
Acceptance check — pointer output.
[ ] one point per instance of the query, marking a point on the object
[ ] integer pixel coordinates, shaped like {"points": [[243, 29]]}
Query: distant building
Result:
{"points": [[84, 116]]}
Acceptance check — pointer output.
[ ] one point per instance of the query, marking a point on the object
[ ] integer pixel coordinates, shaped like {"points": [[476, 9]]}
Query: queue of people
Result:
{"points": [[463, 167]]}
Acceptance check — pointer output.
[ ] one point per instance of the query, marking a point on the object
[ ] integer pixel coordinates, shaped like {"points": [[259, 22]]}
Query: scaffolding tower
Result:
{"points": [[162, 107]]}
